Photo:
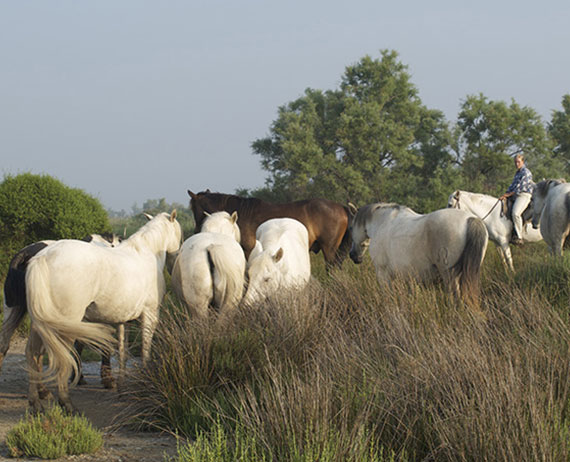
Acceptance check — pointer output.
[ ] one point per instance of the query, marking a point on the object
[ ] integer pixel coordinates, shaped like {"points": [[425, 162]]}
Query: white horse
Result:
{"points": [[499, 227], [73, 287], [280, 259], [447, 243], [210, 268], [552, 213]]}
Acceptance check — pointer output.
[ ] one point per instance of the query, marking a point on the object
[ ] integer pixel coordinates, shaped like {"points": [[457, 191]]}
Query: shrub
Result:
{"points": [[53, 435], [37, 207]]}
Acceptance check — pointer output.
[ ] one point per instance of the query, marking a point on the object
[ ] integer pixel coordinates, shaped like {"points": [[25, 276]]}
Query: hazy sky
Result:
{"points": [[135, 100]]}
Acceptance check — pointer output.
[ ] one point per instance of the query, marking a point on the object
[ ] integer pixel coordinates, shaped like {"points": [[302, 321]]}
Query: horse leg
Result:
{"points": [[63, 393], [149, 323], [79, 349], [34, 356], [122, 338], [506, 257]]}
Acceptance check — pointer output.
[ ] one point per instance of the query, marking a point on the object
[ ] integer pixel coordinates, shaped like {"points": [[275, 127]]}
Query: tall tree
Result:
{"points": [[490, 134], [370, 140], [559, 129]]}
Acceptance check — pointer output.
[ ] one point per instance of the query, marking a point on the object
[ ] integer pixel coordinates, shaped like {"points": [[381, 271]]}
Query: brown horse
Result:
{"points": [[326, 221]]}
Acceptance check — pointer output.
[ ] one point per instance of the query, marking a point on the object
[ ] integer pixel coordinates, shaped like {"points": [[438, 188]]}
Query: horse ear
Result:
{"points": [[234, 217], [208, 191], [192, 195], [353, 208], [279, 255], [148, 216], [173, 215]]}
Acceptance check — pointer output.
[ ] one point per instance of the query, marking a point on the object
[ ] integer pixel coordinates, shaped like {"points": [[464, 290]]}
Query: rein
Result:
{"points": [[492, 208], [488, 213]]}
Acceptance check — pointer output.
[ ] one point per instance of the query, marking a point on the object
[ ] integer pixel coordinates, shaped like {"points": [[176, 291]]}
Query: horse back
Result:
{"points": [[327, 222]]}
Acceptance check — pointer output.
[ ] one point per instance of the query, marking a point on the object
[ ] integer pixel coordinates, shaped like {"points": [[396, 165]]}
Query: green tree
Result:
{"points": [[559, 130], [490, 133], [370, 140], [36, 207]]}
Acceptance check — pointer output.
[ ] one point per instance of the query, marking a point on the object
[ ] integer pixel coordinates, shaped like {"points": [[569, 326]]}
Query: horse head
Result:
{"points": [[539, 194], [360, 238], [222, 223], [264, 276], [453, 201], [201, 204]]}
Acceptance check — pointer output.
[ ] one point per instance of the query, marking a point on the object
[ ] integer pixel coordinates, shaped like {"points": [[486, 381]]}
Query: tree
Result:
{"points": [[370, 140], [37, 207], [490, 133], [559, 130]]}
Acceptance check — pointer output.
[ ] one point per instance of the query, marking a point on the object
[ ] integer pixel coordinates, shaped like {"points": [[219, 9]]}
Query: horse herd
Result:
{"points": [[76, 291]]}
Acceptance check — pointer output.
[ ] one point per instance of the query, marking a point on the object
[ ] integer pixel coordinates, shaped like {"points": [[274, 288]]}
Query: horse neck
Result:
{"points": [[479, 204], [151, 238]]}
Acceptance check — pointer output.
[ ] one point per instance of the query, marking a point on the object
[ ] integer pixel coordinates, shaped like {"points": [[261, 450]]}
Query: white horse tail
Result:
{"points": [[227, 278], [58, 333], [468, 267]]}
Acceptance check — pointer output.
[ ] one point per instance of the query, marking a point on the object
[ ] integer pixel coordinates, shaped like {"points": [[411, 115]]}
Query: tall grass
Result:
{"points": [[348, 371]]}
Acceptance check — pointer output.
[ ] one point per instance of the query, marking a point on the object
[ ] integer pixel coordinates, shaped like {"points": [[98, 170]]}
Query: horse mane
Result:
{"points": [[543, 186], [366, 212], [151, 235]]}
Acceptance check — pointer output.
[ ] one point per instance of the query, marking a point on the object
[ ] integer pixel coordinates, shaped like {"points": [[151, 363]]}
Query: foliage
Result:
{"points": [[124, 226], [559, 129], [37, 207], [372, 140], [491, 133], [53, 435], [354, 142]]}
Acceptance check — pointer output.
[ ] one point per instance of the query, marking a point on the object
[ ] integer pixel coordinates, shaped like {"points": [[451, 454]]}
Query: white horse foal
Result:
{"points": [[210, 268], [71, 282], [279, 260]]}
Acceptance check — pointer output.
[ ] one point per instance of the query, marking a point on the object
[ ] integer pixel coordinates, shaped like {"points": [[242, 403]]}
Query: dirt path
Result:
{"points": [[99, 405]]}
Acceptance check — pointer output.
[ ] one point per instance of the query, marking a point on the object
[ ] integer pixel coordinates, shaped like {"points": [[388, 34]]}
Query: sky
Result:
{"points": [[136, 99]]}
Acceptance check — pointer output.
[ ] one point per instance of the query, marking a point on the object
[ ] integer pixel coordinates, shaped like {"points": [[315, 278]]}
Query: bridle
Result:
{"points": [[458, 206]]}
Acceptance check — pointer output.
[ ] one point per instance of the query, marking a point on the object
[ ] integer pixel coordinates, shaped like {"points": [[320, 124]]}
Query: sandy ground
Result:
{"points": [[102, 407]]}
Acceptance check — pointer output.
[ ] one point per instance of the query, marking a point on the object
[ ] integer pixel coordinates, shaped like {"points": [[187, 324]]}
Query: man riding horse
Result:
{"points": [[521, 188]]}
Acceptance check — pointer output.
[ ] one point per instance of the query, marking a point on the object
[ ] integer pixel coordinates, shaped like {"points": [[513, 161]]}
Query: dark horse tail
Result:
{"points": [[15, 294], [346, 241], [467, 270]]}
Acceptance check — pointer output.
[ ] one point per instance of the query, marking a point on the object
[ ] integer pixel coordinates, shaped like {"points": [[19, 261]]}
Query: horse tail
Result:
{"points": [[468, 267], [58, 333], [15, 303], [346, 241], [566, 242], [227, 278], [13, 315]]}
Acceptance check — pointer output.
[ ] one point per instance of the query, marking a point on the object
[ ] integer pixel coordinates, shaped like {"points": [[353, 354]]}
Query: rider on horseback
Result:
{"points": [[521, 188]]}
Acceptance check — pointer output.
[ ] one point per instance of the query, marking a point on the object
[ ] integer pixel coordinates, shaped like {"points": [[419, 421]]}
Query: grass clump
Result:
{"points": [[349, 370], [52, 435]]}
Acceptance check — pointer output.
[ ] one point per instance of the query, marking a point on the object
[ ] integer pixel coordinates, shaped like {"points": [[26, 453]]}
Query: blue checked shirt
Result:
{"points": [[522, 182]]}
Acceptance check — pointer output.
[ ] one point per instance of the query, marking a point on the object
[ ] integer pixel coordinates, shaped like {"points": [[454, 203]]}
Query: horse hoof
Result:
{"points": [[108, 383], [44, 393], [36, 407]]}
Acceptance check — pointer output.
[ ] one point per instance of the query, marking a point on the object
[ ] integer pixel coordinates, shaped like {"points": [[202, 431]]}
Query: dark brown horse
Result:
{"points": [[326, 221]]}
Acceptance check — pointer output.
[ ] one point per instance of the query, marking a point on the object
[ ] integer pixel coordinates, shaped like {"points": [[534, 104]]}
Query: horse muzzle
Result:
{"points": [[355, 257]]}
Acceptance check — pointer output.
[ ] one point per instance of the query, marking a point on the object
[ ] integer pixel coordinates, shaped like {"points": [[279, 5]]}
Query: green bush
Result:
{"points": [[37, 207], [53, 435]]}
